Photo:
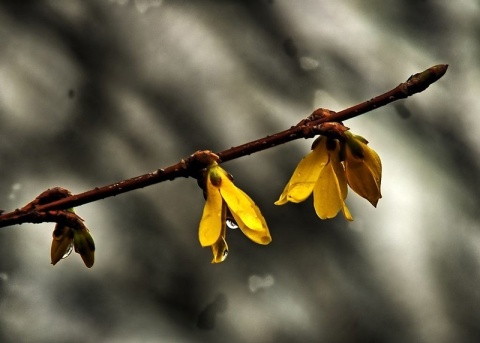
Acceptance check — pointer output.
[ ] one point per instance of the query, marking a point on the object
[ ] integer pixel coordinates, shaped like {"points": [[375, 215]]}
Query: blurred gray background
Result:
{"points": [[93, 92]]}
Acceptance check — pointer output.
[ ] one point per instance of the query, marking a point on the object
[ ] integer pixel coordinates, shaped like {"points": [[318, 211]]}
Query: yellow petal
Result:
{"points": [[305, 175], [258, 236], [240, 204], [373, 162], [211, 222], [220, 248], [330, 190], [346, 212], [364, 174], [327, 198], [283, 197]]}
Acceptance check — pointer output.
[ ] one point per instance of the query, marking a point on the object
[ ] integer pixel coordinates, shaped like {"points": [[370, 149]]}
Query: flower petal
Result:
{"points": [[330, 190], [364, 174], [283, 197], [211, 223], [240, 204], [346, 212], [305, 175], [220, 248], [258, 236]]}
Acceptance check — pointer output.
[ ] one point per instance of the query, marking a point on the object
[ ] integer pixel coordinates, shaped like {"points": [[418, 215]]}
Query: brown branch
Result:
{"points": [[415, 84], [320, 122]]}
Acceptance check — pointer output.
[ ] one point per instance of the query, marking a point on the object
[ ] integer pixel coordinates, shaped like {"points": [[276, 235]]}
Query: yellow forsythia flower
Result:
{"points": [[322, 173], [363, 168], [220, 194]]}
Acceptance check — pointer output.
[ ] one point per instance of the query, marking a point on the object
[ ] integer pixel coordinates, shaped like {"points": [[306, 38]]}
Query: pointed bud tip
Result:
{"points": [[374, 202], [440, 69], [421, 81], [88, 264]]}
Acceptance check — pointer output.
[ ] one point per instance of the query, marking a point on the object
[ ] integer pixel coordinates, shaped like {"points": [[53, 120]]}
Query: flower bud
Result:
{"points": [[85, 246], [61, 243]]}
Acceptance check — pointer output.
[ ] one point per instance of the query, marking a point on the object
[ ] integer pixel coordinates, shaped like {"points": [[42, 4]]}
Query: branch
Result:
{"points": [[321, 121]]}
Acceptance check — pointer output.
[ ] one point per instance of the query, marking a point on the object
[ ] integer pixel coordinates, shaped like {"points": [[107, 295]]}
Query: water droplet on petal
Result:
{"points": [[231, 224], [222, 255], [68, 251]]}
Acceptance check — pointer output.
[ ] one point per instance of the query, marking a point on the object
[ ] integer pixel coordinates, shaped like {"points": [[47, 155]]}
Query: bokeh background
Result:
{"points": [[93, 92]]}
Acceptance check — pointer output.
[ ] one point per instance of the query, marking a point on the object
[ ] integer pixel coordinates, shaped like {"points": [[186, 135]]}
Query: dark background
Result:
{"points": [[93, 92]]}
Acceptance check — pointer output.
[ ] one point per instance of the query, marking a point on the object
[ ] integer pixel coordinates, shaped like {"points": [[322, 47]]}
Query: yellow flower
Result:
{"points": [[221, 194], [322, 173], [328, 168], [363, 168]]}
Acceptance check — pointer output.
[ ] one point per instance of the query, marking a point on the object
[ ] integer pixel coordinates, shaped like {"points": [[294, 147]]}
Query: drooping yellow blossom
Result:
{"points": [[322, 173], [328, 168], [66, 239], [221, 194], [363, 168]]}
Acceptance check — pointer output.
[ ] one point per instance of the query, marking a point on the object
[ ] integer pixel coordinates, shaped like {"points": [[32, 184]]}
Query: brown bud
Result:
{"points": [[85, 246], [61, 243]]}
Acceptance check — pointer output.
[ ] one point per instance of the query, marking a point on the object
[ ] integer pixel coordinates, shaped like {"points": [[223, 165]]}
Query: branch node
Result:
{"points": [[199, 160]]}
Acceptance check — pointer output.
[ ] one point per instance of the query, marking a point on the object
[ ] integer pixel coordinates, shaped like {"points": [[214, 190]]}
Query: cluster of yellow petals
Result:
{"points": [[221, 194], [327, 170]]}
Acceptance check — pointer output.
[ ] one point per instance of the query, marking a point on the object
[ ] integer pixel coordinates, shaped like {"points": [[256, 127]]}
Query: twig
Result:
{"points": [[320, 122]]}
